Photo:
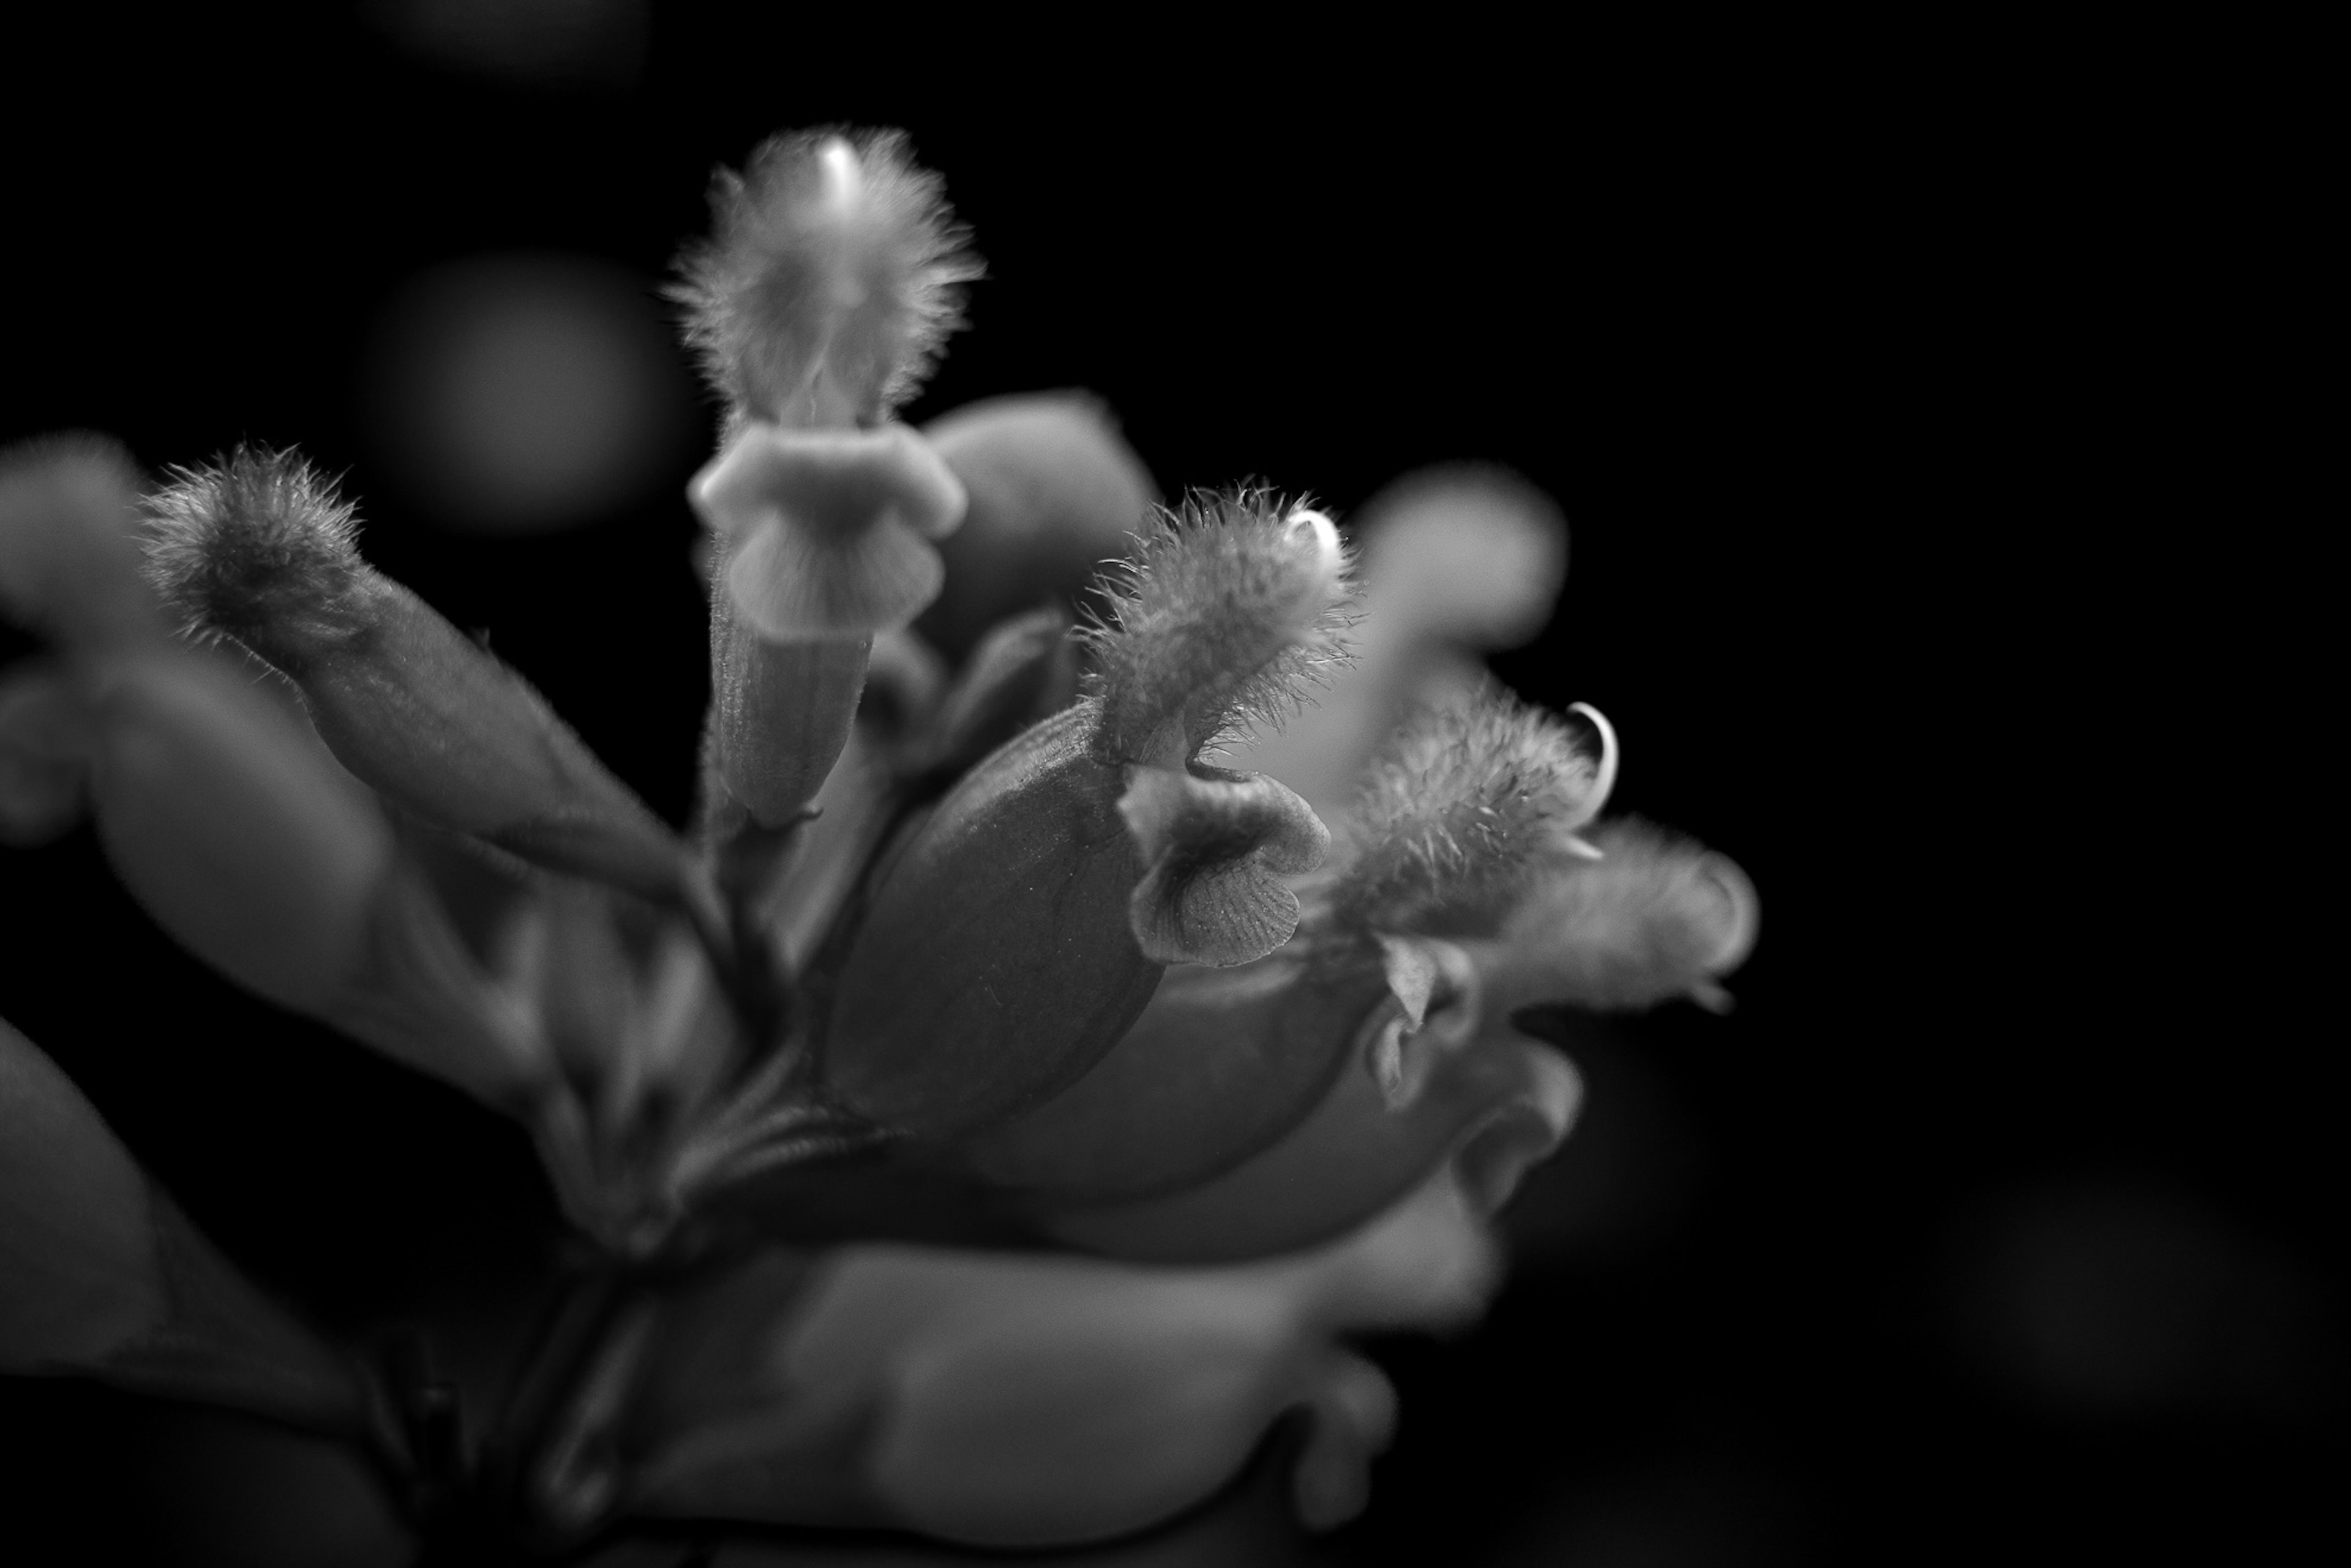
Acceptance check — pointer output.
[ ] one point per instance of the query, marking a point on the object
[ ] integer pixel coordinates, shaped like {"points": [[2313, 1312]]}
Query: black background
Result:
{"points": [[1886, 393]]}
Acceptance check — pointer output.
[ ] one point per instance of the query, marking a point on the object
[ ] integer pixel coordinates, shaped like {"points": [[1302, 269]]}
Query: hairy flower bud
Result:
{"points": [[833, 273], [1055, 493], [68, 551], [258, 550], [1020, 931], [1464, 809]]}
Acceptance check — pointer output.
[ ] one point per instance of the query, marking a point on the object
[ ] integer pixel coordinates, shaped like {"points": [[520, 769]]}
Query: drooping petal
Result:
{"points": [[1218, 846]]}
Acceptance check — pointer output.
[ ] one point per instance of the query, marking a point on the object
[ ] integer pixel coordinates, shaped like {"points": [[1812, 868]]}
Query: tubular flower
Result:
{"points": [[1062, 1031]]}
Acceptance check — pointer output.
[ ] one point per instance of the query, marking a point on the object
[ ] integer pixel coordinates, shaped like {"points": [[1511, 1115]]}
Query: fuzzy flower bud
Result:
{"points": [[68, 543], [1021, 930], [833, 273], [259, 551], [1658, 917], [1461, 814]]}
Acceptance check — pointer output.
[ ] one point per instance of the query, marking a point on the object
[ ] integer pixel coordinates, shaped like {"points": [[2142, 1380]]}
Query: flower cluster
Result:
{"points": [[994, 1114]]}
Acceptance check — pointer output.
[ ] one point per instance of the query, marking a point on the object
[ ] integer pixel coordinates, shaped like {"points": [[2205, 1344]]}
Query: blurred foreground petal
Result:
{"points": [[105, 1278], [1013, 1400]]}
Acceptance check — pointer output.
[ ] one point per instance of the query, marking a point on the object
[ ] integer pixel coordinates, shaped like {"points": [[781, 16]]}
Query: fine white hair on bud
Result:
{"points": [[1465, 811], [1228, 606], [833, 274], [257, 547], [1658, 917]]}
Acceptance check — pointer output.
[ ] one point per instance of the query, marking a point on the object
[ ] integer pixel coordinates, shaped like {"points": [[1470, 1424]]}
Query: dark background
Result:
{"points": [[1886, 396]]}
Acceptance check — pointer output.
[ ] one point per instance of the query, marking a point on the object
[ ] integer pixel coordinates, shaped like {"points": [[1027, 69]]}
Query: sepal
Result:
{"points": [[1486, 1109]]}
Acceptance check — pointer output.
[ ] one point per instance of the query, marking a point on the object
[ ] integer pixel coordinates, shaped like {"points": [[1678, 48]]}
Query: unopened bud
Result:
{"points": [[258, 550], [1465, 810], [833, 272]]}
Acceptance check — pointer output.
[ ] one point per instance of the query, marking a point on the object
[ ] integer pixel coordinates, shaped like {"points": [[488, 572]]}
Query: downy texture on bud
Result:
{"points": [[68, 543], [258, 550], [1465, 810], [833, 273], [1055, 493], [1020, 931]]}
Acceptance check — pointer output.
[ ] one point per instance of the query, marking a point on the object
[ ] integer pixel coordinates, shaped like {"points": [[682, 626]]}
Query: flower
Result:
{"points": [[1055, 1037]]}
